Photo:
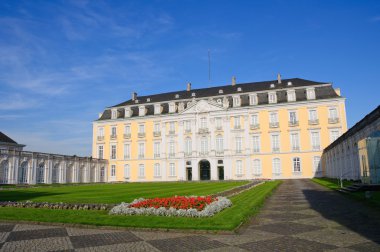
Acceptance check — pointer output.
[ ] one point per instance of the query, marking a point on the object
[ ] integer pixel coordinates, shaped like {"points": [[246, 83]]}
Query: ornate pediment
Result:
{"points": [[203, 106]]}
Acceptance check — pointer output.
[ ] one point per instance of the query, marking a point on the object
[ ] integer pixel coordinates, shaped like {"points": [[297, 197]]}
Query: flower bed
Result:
{"points": [[60, 205], [175, 206]]}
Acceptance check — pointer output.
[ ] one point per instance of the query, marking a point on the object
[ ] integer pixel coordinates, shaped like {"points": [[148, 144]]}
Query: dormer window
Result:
{"points": [[290, 83], [239, 89], [136, 101], [113, 113], [272, 85], [142, 110], [253, 99], [193, 94], [172, 107], [310, 93], [291, 95], [148, 99], [272, 97], [177, 96], [236, 101], [128, 112], [157, 109], [220, 91]]}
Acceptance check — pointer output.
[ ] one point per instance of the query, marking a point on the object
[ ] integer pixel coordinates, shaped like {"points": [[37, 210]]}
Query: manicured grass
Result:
{"points": [[115, 193], [244, 205], [334, 184]]}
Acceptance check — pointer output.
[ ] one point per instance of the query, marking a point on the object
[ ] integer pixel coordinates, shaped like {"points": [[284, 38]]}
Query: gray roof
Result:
{"points": [[321, 92], [6, 139]]}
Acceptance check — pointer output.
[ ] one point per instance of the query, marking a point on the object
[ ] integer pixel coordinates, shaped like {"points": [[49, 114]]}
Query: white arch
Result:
{"points": [[23, 173]]}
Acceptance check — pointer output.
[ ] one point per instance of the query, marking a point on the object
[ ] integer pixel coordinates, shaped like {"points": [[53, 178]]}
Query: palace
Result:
{"points": [[262, 130]]}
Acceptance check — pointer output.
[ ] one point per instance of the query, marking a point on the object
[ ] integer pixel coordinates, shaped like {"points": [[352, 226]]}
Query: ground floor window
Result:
{"points": [[172, 169], [317, 164], [157, 170], [127, 171], [296, 164], [41, 173], [239, 167], [141, 171], [276, 166], [257, 167], [113, 170]]}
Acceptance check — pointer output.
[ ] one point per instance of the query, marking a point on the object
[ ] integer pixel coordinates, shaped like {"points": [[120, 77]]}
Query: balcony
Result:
{"points": [[203, 130], [274, 125], [113, 136], [293, 123], [157, 133], [314, 122], [275, 149], [127, 136], [171, 132], [141, 134], [333, 120], [100, 138], [255, 126]]}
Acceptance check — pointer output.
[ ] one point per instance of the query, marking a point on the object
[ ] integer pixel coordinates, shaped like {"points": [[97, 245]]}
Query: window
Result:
{"points": [[187, 126], [127, 171], [172, 107], [157, 170], [127, 112], [291, 95], [315, 142], [313, 116], [272, 97], [204, 146], [218, 122], [141, 171], [188, 144], [113, 151], [113, 170], [203, 123], [275, 143], [141, 128], [171, 149], [157, 149], [334, 135], [100, 132], [293, 117], [219, 144], [127, 130], [296, 164], [295, 141], [276, 166], [171, 127], [273, 117], [141, 150], [236, 101], [256, 144], [239, 167], [114, 114], [113, 131], [157, 127], [237, 122], [333, 113], [317, 164], [239, 144], [253, 99], [254, 119], [127, 151], [310, 93], [171, 169], [100, 151], [257, 167], [40, 173]]}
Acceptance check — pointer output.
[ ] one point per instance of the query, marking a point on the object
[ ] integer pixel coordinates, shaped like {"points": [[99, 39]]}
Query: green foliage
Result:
{"points": [[244, 205]]}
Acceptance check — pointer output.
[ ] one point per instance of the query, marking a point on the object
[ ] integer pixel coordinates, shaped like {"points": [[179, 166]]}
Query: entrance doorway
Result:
{"points": [[204, 170], [221, 172], [189, 174]]}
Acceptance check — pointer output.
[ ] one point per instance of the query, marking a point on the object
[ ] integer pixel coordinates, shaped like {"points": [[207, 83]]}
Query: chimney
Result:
{"points": [[233, 80], [188, 88], [134, 96], [279, 78]]}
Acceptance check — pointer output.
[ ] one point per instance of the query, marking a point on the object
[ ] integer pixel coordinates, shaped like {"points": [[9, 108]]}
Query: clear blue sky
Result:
{"points": [[62, 62]]}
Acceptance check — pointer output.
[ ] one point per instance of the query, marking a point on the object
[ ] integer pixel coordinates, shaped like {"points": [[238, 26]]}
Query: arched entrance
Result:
{"points": [[55, 173], [204, 170], [4, 168], [22, 173]]}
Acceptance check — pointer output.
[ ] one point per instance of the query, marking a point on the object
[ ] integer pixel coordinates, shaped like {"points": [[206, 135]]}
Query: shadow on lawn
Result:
{"points": [[23, 195], [351, 214]]}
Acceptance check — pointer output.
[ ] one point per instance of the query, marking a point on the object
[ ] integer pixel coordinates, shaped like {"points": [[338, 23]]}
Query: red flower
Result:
{"points": [[177, 202]]}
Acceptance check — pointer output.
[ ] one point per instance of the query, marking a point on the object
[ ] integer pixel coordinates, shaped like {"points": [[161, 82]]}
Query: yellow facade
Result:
{"points": [[231, 157]]}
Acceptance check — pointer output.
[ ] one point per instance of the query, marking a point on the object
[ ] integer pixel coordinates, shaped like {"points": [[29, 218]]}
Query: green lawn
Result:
{"points": [[244, 205], [115, 193], [334, 184]]}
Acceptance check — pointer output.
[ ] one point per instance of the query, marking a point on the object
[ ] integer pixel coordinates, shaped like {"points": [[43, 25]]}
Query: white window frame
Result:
{"points": [[317, 164], [291, 95], [253, 99], [113, 155], [141, 150], [236, 101], [171, 148], [188, 146], [100, 151], [157, 109], [127, 151], [113, 131], [203, 123], [204, 145], [157, 149], [276, 166], [296, 165], [157, 127], [157, 170], [141, 128], [310, 93], [313, 114], [256, 167], [187, 125], [172, 171], [239, 168], [256, 144], [332, 137], [114, 114], [295, 141], [219, 144], [113, 171], [273, 117], [172, 108], [293, 119], [313, 146], [142, 110], [127, 171], [239, 144], [100, 131], [127, 129], [275, 144], [218, 122], [256, 121], [272, 97], [334, 115], [237, 124], [141, 171]]}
